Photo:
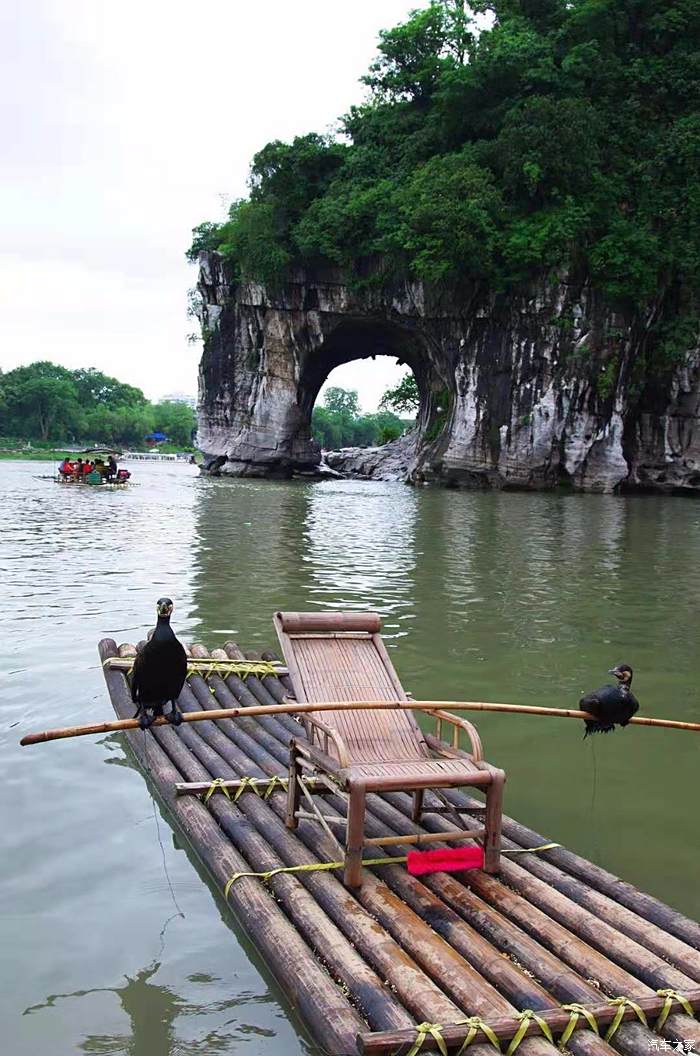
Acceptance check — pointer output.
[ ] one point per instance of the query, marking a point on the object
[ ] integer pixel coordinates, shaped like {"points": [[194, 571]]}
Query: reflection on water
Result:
{"points": [[360, 551], [152, 1011], [484, 596]]}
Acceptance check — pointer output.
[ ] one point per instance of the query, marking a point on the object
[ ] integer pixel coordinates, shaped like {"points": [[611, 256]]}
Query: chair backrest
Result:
{"points": [[341, 656]]}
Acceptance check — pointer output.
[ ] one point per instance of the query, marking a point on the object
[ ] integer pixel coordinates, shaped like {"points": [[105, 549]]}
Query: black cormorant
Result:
{"points": [[159, 671], [611, 705]]}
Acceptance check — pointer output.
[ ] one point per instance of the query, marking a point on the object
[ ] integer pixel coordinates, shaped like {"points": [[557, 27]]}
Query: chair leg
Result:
{"points": [[492, 822], [355, 835], [417, 804], [293, 789]]}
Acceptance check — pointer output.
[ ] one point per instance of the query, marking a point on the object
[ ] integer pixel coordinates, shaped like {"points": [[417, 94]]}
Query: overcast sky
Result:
{"points": [[124, 123]]}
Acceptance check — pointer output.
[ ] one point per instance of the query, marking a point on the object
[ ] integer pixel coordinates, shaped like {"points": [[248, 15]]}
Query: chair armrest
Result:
{"points": [[459, 725], [318, 729]]}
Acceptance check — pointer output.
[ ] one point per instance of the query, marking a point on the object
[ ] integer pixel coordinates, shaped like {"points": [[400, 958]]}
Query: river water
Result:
{"points": [[484, 596]]}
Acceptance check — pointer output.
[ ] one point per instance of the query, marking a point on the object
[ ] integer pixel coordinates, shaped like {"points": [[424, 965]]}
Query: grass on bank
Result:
{"points": [[15, 451]]}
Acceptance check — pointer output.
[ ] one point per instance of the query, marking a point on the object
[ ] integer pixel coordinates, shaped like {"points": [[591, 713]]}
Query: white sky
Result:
{"points": [[124, 123]]}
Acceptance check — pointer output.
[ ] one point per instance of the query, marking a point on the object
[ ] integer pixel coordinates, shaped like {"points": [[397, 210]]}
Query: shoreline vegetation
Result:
{"points": [[57, 454], [48, 412], [48, 406]]}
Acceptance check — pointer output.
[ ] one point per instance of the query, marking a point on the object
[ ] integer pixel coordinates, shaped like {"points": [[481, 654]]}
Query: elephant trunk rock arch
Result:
{"points": [[523, 390]]}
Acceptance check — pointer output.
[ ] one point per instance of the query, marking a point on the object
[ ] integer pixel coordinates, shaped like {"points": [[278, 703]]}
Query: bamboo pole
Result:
{"points": [[379, 1044], [200, 664], [643, 931], [548, 967], [415, 990], [596, 878], [643, 969], [341, 705], [517, 985], [304, 981], [439, 961], [375, 1001], [632, 1037], [625, 1034], [530, 901]]}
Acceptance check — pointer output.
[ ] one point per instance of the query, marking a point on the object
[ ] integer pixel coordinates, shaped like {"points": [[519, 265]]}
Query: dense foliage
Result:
{"points": [[565, 133], [338, 422], [46, 402], [404, 397]]}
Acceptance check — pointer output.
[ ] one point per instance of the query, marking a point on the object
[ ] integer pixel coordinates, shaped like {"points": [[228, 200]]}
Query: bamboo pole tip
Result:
{"points": [[234, 651]]}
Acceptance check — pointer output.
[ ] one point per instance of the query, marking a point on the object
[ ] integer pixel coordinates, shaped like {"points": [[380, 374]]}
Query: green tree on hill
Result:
{"points": [[500, 141]]}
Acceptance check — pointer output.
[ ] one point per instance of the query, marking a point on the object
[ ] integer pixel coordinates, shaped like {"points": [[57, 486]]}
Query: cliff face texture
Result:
{"points": [[531, 390]]}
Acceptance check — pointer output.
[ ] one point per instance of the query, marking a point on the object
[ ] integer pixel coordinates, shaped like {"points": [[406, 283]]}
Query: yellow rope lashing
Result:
{"points": [[242, 668], [476, 1024], [623, 1003], [671, 996], [275, 782], [426, 1030], [310, 867], [246, 782], [252, 784], [526, 1017], [575, 1009], [217, 785], [206, 667], [321, 866], [529, 850]]}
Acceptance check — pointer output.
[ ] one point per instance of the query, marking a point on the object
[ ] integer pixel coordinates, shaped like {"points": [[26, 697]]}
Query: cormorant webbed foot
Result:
{"points": [[145, 718], [174, 716]]}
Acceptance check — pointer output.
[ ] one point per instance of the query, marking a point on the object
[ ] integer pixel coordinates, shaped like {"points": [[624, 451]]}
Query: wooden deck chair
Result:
{"points": [[335, 656]]}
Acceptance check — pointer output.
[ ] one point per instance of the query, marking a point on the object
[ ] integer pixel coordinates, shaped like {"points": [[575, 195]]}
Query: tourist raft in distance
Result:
{"points": [[98, 469], [549, 949]]}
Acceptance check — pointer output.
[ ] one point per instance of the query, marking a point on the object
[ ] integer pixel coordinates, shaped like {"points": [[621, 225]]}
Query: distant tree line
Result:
{"points": [[48, 403], [338, 422]]}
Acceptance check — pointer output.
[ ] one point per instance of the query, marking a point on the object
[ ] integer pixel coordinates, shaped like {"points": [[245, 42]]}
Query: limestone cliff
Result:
{"points": [[543, 386]]}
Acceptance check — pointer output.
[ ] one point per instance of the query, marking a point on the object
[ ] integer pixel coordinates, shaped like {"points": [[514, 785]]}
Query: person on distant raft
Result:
{"points": [[111, 468], [78, 470], [66, 468], [93, 476]]}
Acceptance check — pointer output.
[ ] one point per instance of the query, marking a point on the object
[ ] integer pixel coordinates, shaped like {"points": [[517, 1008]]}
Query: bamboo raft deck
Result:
{"points": [[403, 965]]}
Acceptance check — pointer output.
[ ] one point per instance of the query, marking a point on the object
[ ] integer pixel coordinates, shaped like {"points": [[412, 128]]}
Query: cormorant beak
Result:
{"points": [[165, 608]]}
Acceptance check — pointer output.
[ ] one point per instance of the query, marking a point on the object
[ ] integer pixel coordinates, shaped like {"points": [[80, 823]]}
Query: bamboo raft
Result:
{"points": [[112, 485], [536, 957]]}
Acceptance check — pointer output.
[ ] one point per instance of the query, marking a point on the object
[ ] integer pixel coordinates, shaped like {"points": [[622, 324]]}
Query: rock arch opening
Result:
{"points": [[368, 339]]}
